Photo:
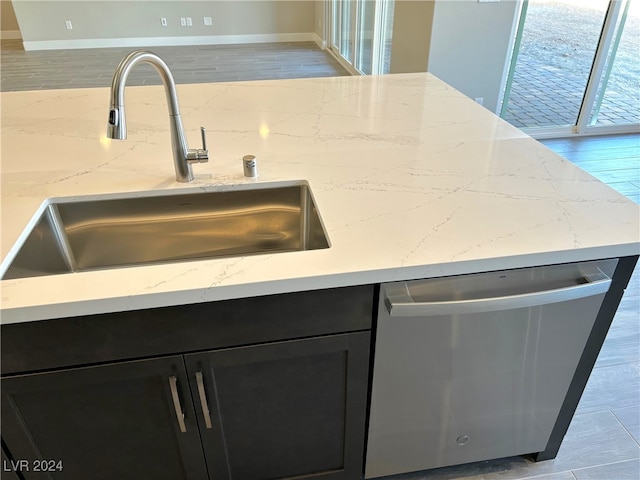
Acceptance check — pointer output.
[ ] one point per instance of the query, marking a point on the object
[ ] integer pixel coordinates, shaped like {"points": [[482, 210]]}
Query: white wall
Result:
{"points": [[319, 19], [412, 25], [113, 23], [470, 46], [464, 42], [8, 22]]}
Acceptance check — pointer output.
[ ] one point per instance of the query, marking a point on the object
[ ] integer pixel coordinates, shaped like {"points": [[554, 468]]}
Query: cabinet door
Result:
{"points": [[284, 409], [9, 467], [104, 422]]}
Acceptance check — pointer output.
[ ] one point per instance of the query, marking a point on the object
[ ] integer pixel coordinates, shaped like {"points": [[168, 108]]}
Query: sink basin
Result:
{"points": [[74, 235]]}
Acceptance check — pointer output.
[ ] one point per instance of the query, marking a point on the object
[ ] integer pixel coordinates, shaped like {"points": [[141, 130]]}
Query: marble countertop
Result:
{"points": [[412, 180]]}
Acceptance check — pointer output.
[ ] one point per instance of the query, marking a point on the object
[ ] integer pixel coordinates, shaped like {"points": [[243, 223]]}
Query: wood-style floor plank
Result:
{"points": [[613, 159], [84, 68]]}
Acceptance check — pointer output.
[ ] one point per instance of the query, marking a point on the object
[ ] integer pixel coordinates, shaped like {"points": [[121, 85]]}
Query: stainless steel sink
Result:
{"points": [[98, 233]]}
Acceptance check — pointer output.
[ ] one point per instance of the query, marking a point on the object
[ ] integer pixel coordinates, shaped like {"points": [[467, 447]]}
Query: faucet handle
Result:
{"points": [[199, 155], [203, 133]]}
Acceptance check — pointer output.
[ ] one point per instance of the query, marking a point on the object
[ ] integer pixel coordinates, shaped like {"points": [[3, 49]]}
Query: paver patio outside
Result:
{"points": [[557, 49]]}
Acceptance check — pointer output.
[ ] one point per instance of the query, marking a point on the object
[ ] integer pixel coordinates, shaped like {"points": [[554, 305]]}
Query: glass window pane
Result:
{"points": [[554, 60], [366, 18], [346, 29], [620, 103], [335, 23], [387, 35]]}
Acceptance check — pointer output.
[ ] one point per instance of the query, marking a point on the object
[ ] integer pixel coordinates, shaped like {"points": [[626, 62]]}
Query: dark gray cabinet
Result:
{"points": [[8, 469], [103, 422], [283, 410], [279, 408]]}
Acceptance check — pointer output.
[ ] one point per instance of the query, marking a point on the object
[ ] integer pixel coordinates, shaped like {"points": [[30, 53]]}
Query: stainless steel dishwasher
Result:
{"points": [[476, 367]]}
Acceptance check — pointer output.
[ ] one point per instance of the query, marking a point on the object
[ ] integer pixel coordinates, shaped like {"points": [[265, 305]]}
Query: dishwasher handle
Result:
{"points": [[400, 303]]}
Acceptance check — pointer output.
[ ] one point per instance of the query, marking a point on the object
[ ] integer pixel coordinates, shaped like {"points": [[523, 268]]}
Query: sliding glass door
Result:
{"points": [[617, 97], [343, 28], [361, 34], [575, 68]]}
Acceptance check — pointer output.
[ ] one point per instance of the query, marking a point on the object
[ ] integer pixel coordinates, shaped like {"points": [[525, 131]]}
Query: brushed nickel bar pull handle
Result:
{"points": [[203, 400], [173, 383], [399, 302]]}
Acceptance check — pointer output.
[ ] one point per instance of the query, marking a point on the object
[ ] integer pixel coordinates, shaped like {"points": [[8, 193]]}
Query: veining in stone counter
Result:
{"points": [[412, 180]]}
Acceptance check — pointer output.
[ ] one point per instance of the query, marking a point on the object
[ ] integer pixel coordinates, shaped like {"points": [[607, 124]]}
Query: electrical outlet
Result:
{"points": [[183, 22], [163, 22], [189, 22], [68, 24], [208, 21], [479, 100]]}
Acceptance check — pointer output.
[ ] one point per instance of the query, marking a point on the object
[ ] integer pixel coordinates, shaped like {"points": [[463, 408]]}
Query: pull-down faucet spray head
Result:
{"points": [[117, 125], [183, 156]]}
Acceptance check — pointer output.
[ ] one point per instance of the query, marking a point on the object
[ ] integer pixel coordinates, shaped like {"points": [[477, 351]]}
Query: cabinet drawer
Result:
{"points": [[77, 341]]}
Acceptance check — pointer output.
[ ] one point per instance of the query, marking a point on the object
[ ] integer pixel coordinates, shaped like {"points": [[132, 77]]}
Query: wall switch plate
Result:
{"points": [[163, 22], [189, 22], [208, 21], [68, 24], [183, 22]]}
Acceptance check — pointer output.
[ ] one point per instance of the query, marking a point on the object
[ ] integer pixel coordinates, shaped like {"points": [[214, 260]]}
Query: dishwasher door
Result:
{"points": [[476, 367]]}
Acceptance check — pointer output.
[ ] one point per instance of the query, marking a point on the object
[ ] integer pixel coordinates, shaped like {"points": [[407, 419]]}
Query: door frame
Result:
{"points": [[331, 31], [379, 35]]}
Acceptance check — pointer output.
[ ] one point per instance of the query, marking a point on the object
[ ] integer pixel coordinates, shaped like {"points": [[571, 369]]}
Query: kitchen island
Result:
{"points": [[412, 180]]}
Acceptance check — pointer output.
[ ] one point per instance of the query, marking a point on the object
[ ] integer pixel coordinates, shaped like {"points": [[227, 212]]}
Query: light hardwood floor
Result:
{"points": [[603, 442], [83, 68], [614, 159]]}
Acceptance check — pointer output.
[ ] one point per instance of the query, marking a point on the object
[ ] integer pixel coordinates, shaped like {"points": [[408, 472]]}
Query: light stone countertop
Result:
{"points": [[412, 180]]}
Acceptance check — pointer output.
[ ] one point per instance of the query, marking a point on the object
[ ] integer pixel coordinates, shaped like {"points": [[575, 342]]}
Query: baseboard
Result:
{"points": [[322, 44], [169, 41], [10, 35]]}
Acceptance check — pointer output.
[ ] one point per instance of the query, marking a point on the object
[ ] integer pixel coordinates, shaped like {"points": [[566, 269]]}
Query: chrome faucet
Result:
{"points": [[183, 156]]}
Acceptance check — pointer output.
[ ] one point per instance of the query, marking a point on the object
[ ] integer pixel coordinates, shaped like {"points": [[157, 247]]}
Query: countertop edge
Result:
{"points": [[291, 285]]}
